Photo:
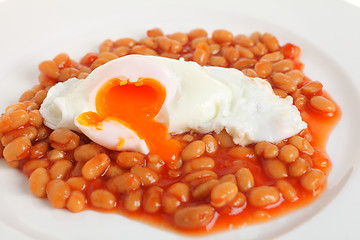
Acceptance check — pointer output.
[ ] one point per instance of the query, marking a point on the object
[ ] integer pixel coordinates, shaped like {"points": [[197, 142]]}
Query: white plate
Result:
{"points": [[326, 31]]}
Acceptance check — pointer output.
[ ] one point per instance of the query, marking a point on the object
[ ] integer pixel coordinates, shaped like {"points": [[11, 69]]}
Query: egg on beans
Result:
{"points": [[134, 102]]}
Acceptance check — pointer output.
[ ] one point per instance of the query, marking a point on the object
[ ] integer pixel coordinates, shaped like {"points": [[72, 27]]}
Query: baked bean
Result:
{"points": [[30, 105], [64, 139], [298, 167], [198, 177], [180, 37], [67, 73], [88, 59], [224, 139], [243, 40], [283, 82], [32, 164], [38, 180], [193, 150], [29, 94], [130, 159], [164, 43], [238, 201], [230, 53], [273, 57], [58, 192], [311, 88], [45, 82], [218, 61], [147, 176], [170, 203], [322, 104], [249, 72], [242, 153], [30, 132], [55, 155], [198, 32], [228, 178], [96, 166], [127, 42], [106, 45], [307, 158], [43, 132], [245, 179], [175, 165], [263, 68], [62, 60], [211, 145], [222, 36], [121, 51], [37, 87], [170, 55], [283, 66], [288, 153], [194, 216], [15, 107], [301, 144], [187, 138], [215, 49], [270, 42], [180, 190], [13, 120], [300, 102], [152, 199], [155, 163], [17, 149], [76, 201], [98, 62], [77, 183], [275, 168], [40, 96], [201, 54], [39, 149], [244, 63], [143, 50], [149, 42], [173, 173], [155, 32], [49, 68], [296, 76], [263, 196], [287, 190], [203, 190], [223, 193], [35, 118], [259, 49], [313, 180], [60, 169], [124, 183], [132, 200], [200, 163], [306, 134], [86, 152], [103, 199], [244, 52], [197, 41], [267, 150], [114, 171]]}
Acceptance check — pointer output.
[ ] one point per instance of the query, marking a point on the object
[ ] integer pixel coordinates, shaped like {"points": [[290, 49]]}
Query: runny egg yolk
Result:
{"points": [[135, 105]]}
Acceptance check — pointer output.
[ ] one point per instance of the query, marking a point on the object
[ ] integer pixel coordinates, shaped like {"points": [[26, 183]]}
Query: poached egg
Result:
{"points": [[133, 103]]}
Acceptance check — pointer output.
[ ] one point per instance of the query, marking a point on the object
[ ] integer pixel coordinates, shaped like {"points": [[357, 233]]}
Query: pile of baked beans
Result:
{"points": [[214, 184]]}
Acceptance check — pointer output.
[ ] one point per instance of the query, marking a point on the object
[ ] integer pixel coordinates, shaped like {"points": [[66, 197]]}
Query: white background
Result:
{"points": [[31, 31]]}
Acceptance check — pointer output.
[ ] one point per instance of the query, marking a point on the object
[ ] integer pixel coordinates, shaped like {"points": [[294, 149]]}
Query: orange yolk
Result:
{"points": [[135, 105]]}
